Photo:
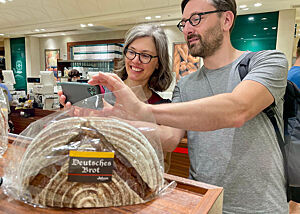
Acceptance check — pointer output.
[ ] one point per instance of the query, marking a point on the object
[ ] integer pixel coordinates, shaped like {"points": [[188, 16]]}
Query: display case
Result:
{"points": [[88, 65]]}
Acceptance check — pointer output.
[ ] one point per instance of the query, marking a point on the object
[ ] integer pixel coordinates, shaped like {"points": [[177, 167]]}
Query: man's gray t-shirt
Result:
{"points": [[246, 161]]}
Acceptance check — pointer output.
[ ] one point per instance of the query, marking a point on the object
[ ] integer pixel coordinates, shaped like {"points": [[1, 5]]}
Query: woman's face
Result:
{"points": [[136, 70]]}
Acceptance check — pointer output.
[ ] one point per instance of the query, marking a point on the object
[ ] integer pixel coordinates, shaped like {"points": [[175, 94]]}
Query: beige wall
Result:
{"points": [[285, 35], [7, 54], [1, 43], [32, 47]]}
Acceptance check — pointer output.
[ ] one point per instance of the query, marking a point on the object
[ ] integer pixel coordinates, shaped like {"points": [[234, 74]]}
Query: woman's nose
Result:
{"points": [[136, 59]]}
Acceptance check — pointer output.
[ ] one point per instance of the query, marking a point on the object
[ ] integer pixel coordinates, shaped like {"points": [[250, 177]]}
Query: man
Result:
{"points": [[231, 142], [294, 72]]}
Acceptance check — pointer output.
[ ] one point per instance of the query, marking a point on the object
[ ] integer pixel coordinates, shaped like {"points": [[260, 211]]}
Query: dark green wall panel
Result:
{"points": [[256, 33], [18, 62]]}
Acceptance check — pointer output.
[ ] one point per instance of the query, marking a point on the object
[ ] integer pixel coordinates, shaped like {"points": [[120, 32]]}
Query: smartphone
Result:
{"points": [[77, 91]]}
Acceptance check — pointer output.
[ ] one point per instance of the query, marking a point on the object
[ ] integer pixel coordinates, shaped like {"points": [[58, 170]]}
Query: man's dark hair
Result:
{"points": [[227, 5], [74, 73]]}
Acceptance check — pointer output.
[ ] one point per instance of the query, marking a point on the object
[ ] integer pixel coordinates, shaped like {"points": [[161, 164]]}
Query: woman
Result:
{"points": [[145, 63]]}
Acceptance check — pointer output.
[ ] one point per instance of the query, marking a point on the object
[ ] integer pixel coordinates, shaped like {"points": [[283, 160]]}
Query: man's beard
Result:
{"points": [[208, 45]]}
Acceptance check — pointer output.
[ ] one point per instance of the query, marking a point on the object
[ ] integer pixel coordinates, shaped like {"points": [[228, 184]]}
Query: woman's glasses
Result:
{"points": [[144, 58]]}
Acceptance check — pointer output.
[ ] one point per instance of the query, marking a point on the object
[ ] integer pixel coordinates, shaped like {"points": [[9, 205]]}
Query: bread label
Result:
{"points": [[87, 167]]}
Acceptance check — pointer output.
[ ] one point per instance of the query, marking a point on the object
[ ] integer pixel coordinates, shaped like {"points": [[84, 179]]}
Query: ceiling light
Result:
{"points": [[82, 25], [265, 28], [63, 34], [1, 34], [243, 6], [162, 24], [254, 35], [148, 17], [3, 1], [242, 38], [257, 4], [37, 30], [43, 29], [274, 28], [90, 25], [251, 18], [10, 0], [44, 35], [263, 19], [158, 17]]}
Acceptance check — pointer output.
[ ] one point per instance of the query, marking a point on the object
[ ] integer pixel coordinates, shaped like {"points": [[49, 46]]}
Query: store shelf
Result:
{"points": [[103, 65]]}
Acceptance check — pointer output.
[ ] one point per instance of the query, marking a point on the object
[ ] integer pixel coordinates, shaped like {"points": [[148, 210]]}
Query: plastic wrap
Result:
{"points": [[3, 122], [79, 158]]}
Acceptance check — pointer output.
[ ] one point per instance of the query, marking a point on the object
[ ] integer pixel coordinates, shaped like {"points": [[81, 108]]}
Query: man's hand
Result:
{"points": [[127, 104]]}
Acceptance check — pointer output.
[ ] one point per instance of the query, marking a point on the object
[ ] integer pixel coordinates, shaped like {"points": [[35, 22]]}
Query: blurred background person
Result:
{"points": [[294, 72], [73, 75]]}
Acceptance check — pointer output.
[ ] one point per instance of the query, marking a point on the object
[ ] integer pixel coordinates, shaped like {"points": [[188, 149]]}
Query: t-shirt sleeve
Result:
{"points": [[269, 68]]}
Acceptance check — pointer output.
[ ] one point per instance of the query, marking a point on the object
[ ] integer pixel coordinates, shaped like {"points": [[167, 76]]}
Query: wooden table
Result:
{"points": [[188, 197]]}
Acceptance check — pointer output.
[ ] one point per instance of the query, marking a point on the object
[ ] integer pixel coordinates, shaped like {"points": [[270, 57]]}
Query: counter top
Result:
{"points": [[21, 123]]}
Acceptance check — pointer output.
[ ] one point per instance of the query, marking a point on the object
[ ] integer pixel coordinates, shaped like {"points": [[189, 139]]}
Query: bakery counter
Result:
{"points": [[21, 122], [180, 162], [187, 197]]}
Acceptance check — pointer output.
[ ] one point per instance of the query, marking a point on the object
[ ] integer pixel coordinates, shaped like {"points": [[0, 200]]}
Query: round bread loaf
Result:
{"points": [[137, 174]]}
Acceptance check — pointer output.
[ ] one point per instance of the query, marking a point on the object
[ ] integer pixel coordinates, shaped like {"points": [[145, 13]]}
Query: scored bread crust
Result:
{"points": [[44, 167]]}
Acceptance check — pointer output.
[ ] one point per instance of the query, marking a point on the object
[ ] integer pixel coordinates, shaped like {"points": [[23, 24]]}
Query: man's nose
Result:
{"points": [[188, 28]]}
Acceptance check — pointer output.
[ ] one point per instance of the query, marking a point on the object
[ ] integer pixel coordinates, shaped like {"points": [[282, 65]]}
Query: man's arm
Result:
{"points": [[170, 137], [227, 110], [220, 111]]}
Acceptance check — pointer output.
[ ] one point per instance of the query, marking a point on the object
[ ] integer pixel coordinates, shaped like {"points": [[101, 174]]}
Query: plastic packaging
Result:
{"points": [[3, 122], [79, 158]]}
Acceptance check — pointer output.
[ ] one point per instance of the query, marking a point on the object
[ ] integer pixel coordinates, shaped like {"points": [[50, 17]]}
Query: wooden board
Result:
{"points": [[187, 197]]}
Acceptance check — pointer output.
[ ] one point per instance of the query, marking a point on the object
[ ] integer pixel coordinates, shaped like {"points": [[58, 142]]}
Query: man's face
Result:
{"points": [[205, 38]]}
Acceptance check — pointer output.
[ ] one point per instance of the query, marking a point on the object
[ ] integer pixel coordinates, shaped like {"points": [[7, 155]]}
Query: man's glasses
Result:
{"points": [[195, 19], [144, 58]]}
